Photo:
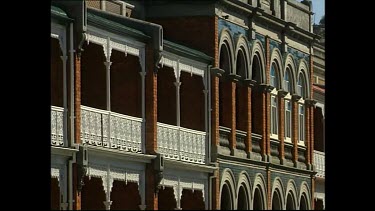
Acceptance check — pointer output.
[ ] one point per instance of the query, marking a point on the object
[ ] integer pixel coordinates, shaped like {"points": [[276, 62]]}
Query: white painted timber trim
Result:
{"points": [[122, 155], [173, 164], [67, 152]]}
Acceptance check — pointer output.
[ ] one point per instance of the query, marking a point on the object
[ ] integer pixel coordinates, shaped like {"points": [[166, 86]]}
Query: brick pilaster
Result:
{"points": [[281, 122], [215, 110], [232, 121], [295, 130], [77, 127], [151, 129], [248, 141]]}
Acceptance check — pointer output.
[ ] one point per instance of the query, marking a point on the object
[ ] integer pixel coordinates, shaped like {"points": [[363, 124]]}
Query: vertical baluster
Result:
{"points": [[92, 127], [60, 131], [82, 126], [53, 127]]}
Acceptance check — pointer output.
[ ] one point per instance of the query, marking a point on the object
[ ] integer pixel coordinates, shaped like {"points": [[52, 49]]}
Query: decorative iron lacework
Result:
{"points": [[57, 137], [183, 144], [125, 131]]}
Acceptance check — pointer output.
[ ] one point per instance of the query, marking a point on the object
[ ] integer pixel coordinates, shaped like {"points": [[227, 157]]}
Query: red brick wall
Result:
{"points": [[93, 194], [192, 201], [248, 119], [93, 75], [198, 32], [151, 127], [56, 74], [232, 115], [166, 96], [151, 103], [125, 197], [215, 110], [166, 199], [225, 99], [55, 194], [256, 105], [192, 102], [126, 84], [318, 130], [151, 196], [77, 99]]}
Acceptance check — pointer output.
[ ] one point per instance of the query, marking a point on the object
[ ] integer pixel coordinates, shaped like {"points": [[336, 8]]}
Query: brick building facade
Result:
{"points": [[182, 105]]}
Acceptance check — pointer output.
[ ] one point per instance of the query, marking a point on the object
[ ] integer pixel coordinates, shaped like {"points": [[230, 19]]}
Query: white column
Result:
{"points": [[178, 84], [142, 62], [71, 56], [142, 190], [205, 91], [107, 188], [178, 192], [107, 64], [64, 58]]}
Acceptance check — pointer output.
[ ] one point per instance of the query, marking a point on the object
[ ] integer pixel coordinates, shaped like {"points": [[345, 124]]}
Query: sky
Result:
{"points": [[318, 9]]}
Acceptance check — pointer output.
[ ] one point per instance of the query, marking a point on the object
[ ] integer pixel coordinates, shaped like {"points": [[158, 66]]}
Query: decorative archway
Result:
{"points": [[291, 196], [277, 196], [227, 190], [244, 191], [259, 193]]}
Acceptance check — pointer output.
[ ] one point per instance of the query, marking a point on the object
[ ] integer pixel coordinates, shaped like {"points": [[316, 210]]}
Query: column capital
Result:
{"points": [[177, 84], [234, 77], [250, 82], [107, 204], [107, 63], [282, 93], [64, 58], [217, 71], [296, 97], [310, 102], [266, 88], [142, 207]]}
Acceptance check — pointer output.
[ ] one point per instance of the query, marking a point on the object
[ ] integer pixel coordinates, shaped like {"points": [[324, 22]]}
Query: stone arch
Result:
{"points": [[278, 186], [304, 191], [276, 58], [291, 188], [242, 45], [244, 181], [227, 178], [258, 52], [303, 68], [290, 62], [260, 184], [227, 40]]}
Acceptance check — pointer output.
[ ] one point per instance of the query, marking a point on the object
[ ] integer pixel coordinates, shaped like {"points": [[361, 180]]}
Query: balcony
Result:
{"points": [[124, 131], [178, 143], [319, 161], [57, 132]]}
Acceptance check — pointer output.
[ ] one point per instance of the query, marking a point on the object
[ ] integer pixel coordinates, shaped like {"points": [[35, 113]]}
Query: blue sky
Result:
{"points": [[318, 9]]}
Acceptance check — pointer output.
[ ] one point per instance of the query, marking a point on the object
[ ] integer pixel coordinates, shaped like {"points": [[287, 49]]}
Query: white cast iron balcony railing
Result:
{"points": [[319, 161], [183, 144], [124, 131], [57, 137]]}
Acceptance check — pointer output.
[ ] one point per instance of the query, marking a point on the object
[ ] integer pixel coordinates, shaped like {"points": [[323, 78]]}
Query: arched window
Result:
{"points": [[288, 106], [287, 81], [301, 90], [274, 102], [273, 76]]}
